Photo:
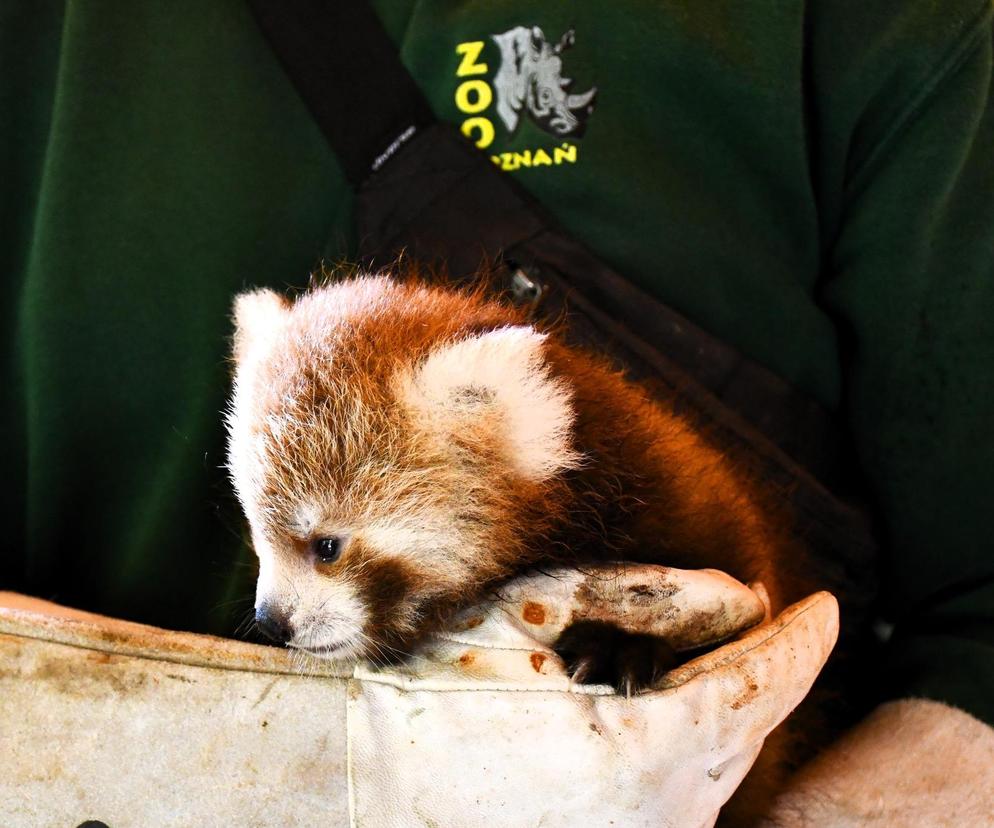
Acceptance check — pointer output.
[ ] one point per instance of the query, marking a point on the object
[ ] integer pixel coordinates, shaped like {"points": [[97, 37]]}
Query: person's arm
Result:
{"points": [[911, 762], [911, 279]]}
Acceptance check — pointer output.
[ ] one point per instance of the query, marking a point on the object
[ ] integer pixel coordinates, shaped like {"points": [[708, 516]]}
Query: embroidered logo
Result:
{"points": [[528, 85], [531, 78]]}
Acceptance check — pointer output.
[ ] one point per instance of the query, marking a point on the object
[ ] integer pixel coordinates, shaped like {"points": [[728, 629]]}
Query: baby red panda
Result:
{"points": [[400, 449]]}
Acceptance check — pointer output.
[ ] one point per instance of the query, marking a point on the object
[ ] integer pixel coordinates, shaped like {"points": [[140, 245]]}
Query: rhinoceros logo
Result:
{"points": [[530, 78]]}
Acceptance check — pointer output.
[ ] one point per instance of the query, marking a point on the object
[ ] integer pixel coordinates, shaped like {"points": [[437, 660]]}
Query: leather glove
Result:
{"points": [[493, 699], [482, 727]]}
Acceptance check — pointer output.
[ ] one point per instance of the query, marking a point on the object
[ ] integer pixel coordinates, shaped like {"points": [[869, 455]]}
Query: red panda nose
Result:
{"points": [[273, 623]]}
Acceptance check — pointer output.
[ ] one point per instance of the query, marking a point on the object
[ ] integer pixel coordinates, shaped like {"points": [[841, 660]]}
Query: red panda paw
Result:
{"points": [[597, 652]]}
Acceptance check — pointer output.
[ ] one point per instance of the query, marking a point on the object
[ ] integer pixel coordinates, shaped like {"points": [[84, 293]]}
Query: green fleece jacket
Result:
{"points": [[811, 182]]}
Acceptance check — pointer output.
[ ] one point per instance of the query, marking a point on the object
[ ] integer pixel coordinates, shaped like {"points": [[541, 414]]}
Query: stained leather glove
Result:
{"points": [[482, 727], [533, 748]]}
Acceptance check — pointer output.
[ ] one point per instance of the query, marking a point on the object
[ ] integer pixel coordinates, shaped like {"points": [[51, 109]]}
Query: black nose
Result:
{"points": [[273, 623]]}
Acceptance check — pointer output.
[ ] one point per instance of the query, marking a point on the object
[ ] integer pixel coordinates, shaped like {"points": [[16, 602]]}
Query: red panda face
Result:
{"points": [[388, 442]]}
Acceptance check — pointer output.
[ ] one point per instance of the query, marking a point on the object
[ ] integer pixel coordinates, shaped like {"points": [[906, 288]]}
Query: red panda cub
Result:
{"points": [[400, 449]]}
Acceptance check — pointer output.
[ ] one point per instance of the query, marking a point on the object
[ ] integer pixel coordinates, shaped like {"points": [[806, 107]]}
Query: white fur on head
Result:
{"points": [[501, 372], [260, 316]]}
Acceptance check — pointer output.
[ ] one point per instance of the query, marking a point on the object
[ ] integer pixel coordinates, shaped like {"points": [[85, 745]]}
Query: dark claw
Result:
{"points": [[596, 652]]}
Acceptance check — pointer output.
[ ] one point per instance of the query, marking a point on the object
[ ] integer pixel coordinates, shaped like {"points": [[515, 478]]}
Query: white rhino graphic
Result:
{"points": [[530, 75]]}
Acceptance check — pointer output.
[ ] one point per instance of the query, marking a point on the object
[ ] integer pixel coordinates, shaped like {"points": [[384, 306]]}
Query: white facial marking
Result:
{"points": [[305, 519], [326, 614], [266, 586], [408, 539], [430, 538], [329, 618]]}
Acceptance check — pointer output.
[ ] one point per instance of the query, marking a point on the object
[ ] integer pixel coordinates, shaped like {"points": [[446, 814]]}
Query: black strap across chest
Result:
{"points": [[346, 69]]}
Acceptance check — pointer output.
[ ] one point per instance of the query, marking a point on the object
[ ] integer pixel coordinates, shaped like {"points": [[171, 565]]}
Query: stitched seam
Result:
{"points": [[507, 648], [48, 636], [349, 760], [399, 683]]}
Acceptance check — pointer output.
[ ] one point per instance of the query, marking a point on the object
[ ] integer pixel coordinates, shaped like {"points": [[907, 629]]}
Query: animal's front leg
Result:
{"points": [[626, 624], [599, 652]]}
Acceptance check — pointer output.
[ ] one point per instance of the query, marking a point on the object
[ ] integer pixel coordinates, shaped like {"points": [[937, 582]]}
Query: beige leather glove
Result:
{"points": [[482, 728], [533, 748], [910, 764]]}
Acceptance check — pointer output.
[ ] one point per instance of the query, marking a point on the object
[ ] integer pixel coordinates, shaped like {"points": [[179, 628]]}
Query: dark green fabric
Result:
{"points": [[812, 183]]}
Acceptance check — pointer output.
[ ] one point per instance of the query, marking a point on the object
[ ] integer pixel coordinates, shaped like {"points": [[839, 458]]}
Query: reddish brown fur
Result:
{"points": [[651, 489]]}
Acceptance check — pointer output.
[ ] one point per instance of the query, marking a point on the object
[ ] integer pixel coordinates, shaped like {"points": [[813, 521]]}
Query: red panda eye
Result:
{"points": [[327, 550]]}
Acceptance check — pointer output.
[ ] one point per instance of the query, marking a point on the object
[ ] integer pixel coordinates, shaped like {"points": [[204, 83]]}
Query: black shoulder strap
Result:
{"points": [[348, 73]]}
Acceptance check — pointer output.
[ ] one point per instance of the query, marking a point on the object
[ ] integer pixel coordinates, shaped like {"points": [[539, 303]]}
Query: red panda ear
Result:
{"points": [[502, 373], [258, 315]]}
